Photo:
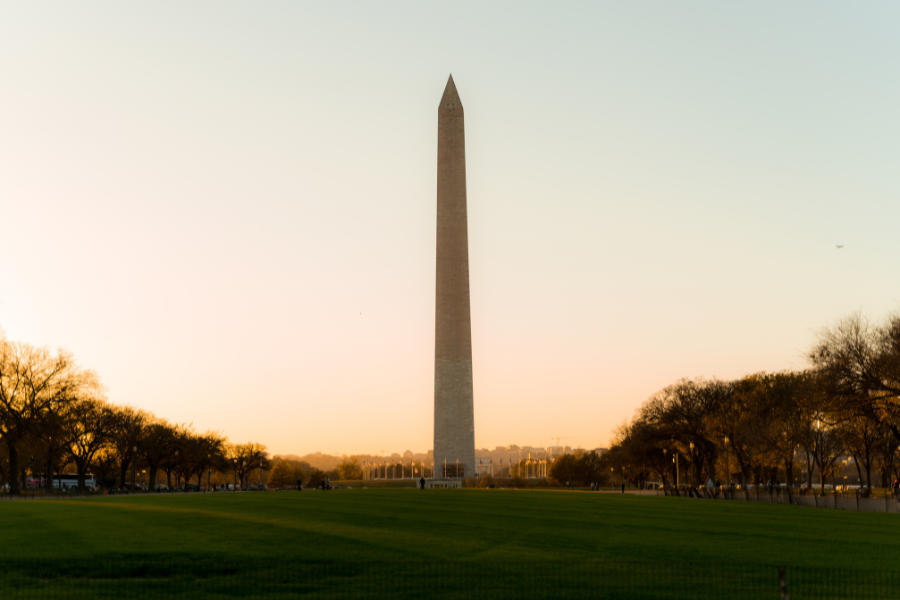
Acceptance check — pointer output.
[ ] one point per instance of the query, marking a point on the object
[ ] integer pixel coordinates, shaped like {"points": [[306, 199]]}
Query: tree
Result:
{"points": [[316, 477], [209, 451], [828, 447], [565, 469], [54, 436], [105, 465], [247, 457], [127, 436], [282, 475], [297, 470], [31, 381], [349, 469], [682, 413], [486, 481], [861, 438], [91, 424], [157, 447], [859, 365]]}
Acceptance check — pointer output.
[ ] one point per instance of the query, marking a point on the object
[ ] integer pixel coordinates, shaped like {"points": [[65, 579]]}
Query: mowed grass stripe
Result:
{"points": [[404, 525]]}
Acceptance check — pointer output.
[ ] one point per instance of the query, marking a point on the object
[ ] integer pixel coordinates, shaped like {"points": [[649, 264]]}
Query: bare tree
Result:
{"points": [[247, 457], [130, 424], [859, 365], [31, 381], [91, 423], [157, 447], [861, 439]]}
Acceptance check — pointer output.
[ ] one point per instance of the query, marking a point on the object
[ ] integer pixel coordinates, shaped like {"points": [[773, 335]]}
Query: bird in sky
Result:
{"points": [[839, 246]]}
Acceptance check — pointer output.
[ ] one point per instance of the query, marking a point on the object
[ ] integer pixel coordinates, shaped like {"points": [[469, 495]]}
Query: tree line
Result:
{"points": [[55, 418], [767, 426]]}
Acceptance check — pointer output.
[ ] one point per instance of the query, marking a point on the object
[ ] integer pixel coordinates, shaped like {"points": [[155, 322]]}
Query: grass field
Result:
{"points": [[397, 543]]}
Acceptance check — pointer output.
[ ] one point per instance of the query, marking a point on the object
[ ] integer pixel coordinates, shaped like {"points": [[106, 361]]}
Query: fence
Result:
{"points": [[26, 495], [493, 579], [877, 501]]}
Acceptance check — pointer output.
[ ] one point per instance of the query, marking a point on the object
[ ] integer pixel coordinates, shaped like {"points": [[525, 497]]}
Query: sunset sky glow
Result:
{"points": [[228, 209]]}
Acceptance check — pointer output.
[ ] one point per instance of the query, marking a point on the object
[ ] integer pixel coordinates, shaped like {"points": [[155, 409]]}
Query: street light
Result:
{"points": [[693, 467], [677, 478], [665, 452], [133, 466], [727, 460]]}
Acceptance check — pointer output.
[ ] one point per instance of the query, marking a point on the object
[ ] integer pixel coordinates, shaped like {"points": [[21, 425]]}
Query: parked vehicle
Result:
{"points": [[70, 482]]}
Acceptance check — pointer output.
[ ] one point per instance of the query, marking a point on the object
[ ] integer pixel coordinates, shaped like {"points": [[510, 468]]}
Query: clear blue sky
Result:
{"points": [[228, 209]]}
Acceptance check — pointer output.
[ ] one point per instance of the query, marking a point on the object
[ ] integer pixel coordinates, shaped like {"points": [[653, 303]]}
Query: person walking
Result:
{"points": [[422, 483]]}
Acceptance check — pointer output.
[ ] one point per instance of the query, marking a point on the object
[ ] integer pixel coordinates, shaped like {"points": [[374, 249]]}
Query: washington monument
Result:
{"points": [[454, 413]]}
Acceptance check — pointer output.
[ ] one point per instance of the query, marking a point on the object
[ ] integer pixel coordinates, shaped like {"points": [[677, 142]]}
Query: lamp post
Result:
{"points": [[727, 460], [693, 467], [234, 485], [820, 457], [665, 453], [677, 478], [133, 466]]}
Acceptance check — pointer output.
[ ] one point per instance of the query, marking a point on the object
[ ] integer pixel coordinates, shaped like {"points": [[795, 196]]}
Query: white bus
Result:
{"points": [[69, 482]]}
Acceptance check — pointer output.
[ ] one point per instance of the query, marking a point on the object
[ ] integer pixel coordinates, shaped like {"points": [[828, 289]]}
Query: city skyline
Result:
{"points": [[241, 236]]}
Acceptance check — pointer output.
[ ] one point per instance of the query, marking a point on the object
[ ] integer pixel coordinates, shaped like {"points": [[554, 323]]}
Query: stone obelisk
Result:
{"points": [[454, 413]]}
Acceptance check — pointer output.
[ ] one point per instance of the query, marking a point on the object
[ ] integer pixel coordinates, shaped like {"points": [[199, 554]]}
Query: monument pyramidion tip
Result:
{"points": [[450, 101]]}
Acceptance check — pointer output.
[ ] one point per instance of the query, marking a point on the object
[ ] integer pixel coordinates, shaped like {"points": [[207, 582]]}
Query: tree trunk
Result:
{"points": [[151, 482], [123, 469], [809, 471], [48, 473], [13, 466], [81, 468]]}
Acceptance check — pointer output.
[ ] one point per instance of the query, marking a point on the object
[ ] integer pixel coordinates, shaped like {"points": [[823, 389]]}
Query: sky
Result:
{"points": [[228, 209]]}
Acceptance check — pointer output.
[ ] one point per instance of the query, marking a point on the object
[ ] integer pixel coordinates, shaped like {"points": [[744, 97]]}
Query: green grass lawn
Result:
{"points": [[397, 543]]}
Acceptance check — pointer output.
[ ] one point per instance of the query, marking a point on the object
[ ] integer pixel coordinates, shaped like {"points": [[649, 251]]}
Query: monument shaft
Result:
{"points": [[454, 413]]}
